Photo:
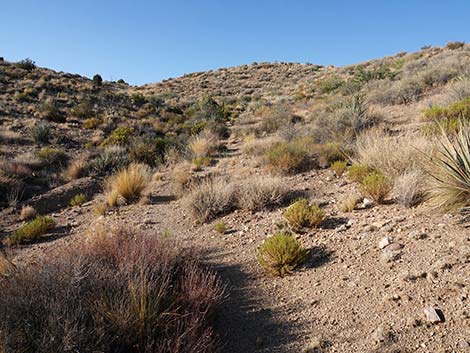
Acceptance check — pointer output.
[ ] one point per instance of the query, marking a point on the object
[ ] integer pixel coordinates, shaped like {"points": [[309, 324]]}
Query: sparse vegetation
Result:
{"points": [[349, 203], [301, 214], [376, 186], [41, 133], [31, 231], [339, 167], [128, 291], [260, 192], [27, 213], [211, 199], [128, 184], [77, 200], [281, 254], [220, 227]]}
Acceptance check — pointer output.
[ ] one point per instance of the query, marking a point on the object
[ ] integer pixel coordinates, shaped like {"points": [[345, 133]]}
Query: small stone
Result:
{"points": [[384, 242], [389, 256], [380, 335], [367, 203], [393, 247], [463, 344], [342, 228], [418, 235], [388, 228], [432, 315], [370, 228]]}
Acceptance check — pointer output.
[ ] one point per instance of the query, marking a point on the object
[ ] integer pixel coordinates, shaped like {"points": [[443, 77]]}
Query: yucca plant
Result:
{"points": [[451, 176], [280, 254]]}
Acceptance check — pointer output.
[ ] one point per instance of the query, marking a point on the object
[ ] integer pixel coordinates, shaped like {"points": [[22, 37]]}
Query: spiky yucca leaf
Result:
{"points": [[451, 189]]}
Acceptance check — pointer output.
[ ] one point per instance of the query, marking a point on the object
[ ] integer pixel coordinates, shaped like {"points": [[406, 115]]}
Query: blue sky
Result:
{"points": [[147, 41]]}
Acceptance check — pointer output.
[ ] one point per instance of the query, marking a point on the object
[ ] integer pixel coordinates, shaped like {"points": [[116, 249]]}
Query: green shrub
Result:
{"points": [[112, 159], [31, 231], [83, 110], [120, 136], [301, 214], [41, 132], [376, 186], [77, 200], [329, 84], [339, 167], [52, 155], [288, 157], [220, 227], [357, 172], [97, 80], [281, 254], [328, 153]]}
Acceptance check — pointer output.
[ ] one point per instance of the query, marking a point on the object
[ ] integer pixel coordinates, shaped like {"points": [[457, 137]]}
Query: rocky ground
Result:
{"points": [[383, 278]]}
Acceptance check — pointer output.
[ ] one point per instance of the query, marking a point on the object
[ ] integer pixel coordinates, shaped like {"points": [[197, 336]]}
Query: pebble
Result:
{"points": [[418, 235], [384, 242], [380, 335], [393, 247], [367, 203], [370, 228], [432, 315], [388, 228]]}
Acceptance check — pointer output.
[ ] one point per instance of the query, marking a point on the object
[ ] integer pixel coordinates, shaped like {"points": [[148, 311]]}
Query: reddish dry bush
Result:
{"points": [[122, 292]]}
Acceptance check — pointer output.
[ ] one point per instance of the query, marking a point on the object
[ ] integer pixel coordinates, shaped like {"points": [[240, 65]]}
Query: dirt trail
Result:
{"points": [[349, 297]]}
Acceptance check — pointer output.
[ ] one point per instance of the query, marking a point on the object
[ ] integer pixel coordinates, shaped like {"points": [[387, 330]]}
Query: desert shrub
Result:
{"points": [[357, 172], [288, 157], [110, 160], [392, 155], [210, 199], [203, 145], [50, 112], [148, 149], [77, 200], [454, 45], [121, 292], [261, 192], [201, 162], [460, 109], [346, 120], [121, 136], [27, 213], [41, 132], [376, 186], [459, 89], [281, 254], [76, 169], [409, 189], [404, 91], [97, 80], [301, 214], [83, 110], [257, 147], [128, 184], [182, 178], [26, 64], [31, 231], [450, 126], [220, 227], [339, 167], [349, 203], [328, 84], [52, 156], [329, 153], [92, 123], [450, 171]]}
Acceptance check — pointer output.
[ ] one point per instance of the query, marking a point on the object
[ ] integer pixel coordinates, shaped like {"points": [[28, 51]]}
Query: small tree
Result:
{"points": [[97, 80]]}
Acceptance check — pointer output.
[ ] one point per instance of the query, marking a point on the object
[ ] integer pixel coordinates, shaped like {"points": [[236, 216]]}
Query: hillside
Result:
{"points": [[270, 207]]}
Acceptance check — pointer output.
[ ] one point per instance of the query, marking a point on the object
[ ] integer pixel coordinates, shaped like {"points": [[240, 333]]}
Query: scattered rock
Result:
{"points": [[366, 203], [417, 235], [380, 335], [393, 247], [385, 242], [433, 315], [370, 228]]}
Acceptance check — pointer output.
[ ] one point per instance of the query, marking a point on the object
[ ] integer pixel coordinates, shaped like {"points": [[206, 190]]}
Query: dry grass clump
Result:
{"points": [[376, 186], [27, 213], [31, 231], [210, 199], [328, 153], [409, 188], [182, 178], [349, 203], [123, 292], [128, 184], [76, 169], [450, 171], [257, 147], [262, 192], [6, 267], [220, 227], [392, 155], [203, 145], [301, 214], [280, 254]]}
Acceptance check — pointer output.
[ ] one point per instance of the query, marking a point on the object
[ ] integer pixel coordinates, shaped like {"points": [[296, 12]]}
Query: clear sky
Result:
{"points": [[145, 41]]}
